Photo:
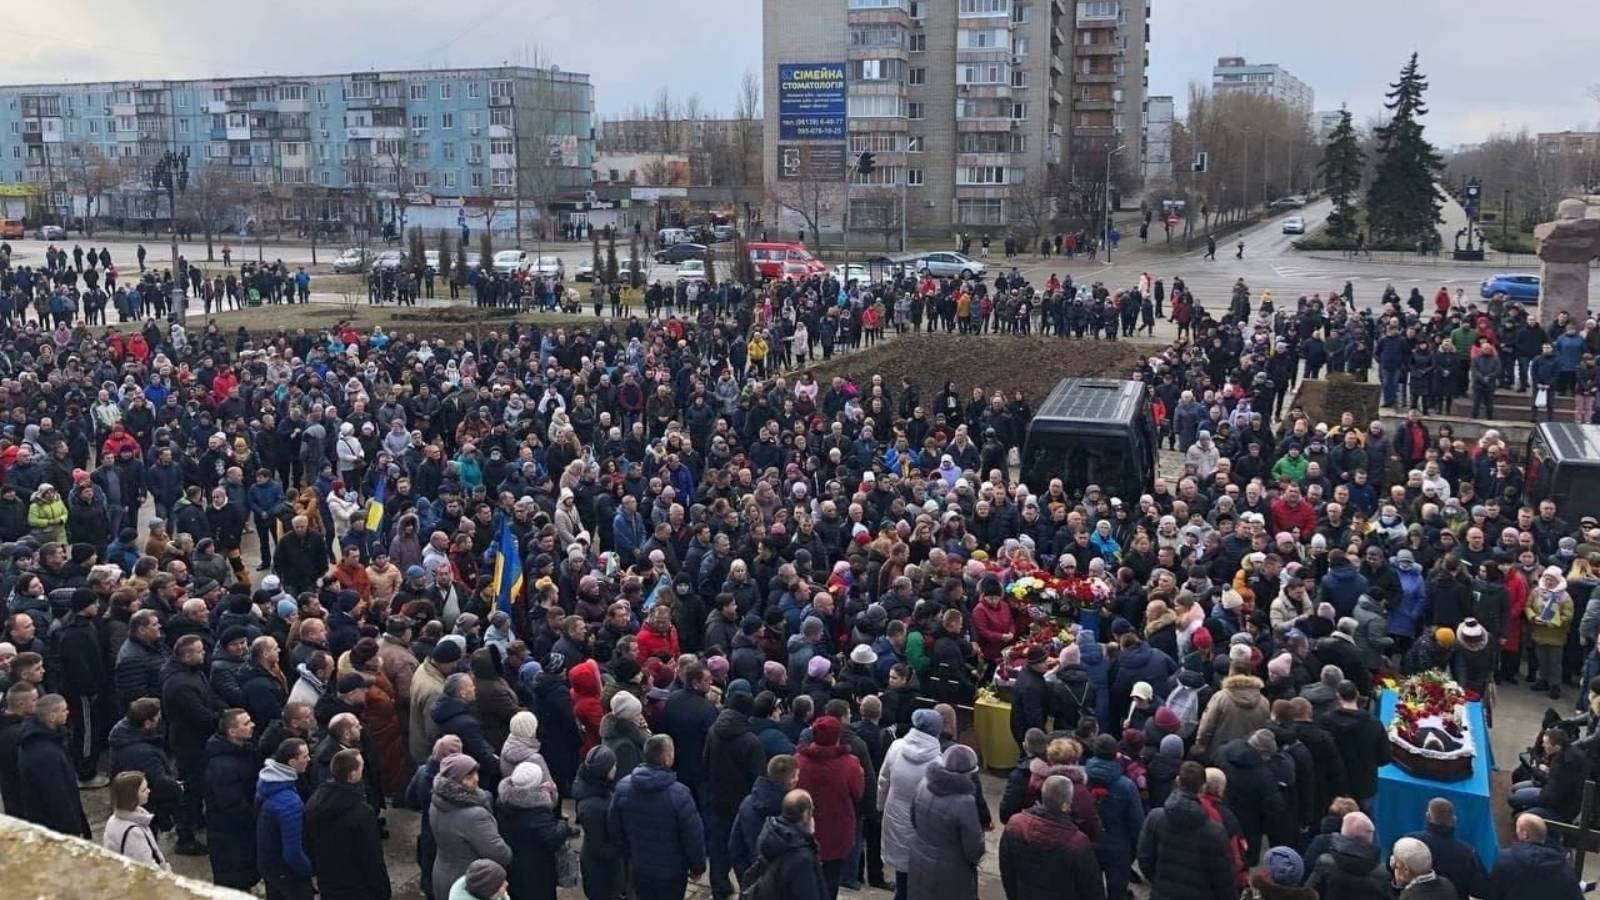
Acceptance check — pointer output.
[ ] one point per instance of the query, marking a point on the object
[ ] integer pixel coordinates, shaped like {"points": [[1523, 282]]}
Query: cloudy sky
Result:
{"points": [[1494, 66]]}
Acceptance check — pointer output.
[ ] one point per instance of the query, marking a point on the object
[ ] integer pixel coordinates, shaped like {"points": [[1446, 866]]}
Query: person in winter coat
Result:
{"points": [[1453, 858], [231, 769], [1556, 789], [1043, 855], [128, 831], [623, 730], [1533, 867], [1182, 852], [453, 714], [1092, 654], [1032, 699], [426, 684], [1351, 869], [1373, 637], [902, 772], [1549, 614], [137, 745], [1279, 877], [601, 859], [496, 702], [584, 681], [764, 801], [46, 772], [1139, 662], [280, 821], [1234, 712], [1253, 793], [656, 822], [343, 836], [530, 821], [1074, 693], [462, 823], [835, 780], [560, 737], [1161, 770], [1121, 815], [1362, 741], [949, 841], [734, 761]]}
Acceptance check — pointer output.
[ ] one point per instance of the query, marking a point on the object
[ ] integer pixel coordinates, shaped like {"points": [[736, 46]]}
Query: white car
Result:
{"points": [[692, 269], [50, 233], [1294, 225], [389, 259], [949, 265], [858, 273], [350, 261], [585, 271], [549, 267], [508, 261]]}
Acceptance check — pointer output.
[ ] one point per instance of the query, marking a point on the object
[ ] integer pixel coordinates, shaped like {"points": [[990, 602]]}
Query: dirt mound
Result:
{"points": [[995, 363]]}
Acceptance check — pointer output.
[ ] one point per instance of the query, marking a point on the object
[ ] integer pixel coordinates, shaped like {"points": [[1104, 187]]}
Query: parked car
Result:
{"points": [[351, 260], [677, 253], [549, 267], [1513, 285], [508, 261], [430, 258], [1294, 225], [949, 265], [585, 272], [667, 237], [692, 269], [1292, 202], [12, 230], [721, 233], [50, 233], [858, 273], [390, 259]]}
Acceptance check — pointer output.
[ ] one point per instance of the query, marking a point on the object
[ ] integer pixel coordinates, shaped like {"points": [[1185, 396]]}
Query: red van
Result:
{"points": [[783, 259]]}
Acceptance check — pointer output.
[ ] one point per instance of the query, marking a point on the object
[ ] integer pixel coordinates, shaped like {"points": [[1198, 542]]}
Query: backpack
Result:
{"points": [[762, 881]]}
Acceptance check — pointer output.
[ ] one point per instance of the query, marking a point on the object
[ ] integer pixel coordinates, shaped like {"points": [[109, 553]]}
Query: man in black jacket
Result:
{"points": [[788, 851], [1032, 699], [49, 786], [191, 709], [1182, 852], [302, 558], [734, 760], [1362, 742], [21, 700], [136, 746], [139, 662], [342, 835], [230, 783], [79, 645], [1453, 858]]}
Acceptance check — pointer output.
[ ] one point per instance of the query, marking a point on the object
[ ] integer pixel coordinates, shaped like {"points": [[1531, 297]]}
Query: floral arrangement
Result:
{"points": [[1429, 699], [1041, 633]]}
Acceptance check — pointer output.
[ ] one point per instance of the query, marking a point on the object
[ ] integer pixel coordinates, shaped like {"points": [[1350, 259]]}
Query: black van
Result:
{"points": [[1092, 431], [1563, 464]]}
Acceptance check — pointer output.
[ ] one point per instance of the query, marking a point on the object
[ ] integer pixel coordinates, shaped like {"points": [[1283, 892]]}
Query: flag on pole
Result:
{"points": [[507, 568], [375, 508]]}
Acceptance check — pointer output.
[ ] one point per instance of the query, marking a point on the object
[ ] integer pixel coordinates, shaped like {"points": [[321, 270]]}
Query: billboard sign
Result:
{"points": [[811, 162], [811, 101]]}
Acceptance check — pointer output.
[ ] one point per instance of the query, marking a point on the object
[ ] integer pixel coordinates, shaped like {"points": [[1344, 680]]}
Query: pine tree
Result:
{"points": [[611, 255], [446, 258], [1403, 200], [1341, 167], [597, 260], [711, 265], [636, 268], [461, 259]]}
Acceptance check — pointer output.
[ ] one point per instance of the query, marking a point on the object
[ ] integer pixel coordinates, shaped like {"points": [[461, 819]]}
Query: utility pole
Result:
{"points": [[904, 178], [1106, 227]]}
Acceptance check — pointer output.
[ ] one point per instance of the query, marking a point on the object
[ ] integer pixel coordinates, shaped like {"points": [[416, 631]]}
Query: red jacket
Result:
{"points": [[1288, 518], [652, 643], [989, 624], [583, 682], [117, 441], [833, 777]]}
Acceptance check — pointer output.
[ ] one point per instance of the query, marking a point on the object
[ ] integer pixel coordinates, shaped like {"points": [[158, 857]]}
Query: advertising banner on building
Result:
{"points": [[811, 101], [811, 162]]}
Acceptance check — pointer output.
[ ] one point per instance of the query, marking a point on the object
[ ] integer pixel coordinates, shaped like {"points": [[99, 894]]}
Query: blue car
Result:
{"points": [[1516, 287]]}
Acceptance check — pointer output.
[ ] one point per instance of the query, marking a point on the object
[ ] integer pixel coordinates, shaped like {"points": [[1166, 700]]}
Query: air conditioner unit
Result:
{"points": [[474, 130], [418, 132], [324, 132]]}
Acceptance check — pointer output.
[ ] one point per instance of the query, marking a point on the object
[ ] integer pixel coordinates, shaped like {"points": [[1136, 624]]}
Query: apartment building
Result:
{"points": [[1110, 60], [1568, 143], [1233, 73], [425, 142], [964, 104]]}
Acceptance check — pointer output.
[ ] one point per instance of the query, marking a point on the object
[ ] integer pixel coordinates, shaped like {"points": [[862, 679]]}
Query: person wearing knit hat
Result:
{"points": [[818, 667], [1239, 654], [1280, 667], [1262, 741], [444, 747], [601, 762], [485, 879], [1070, 656], [773, 674], [286, 609], [1445, 636], [959, 759], [1471, 634], [928, 722], [1166, 721], [458, 767], [1283, 868], [830, 772]]}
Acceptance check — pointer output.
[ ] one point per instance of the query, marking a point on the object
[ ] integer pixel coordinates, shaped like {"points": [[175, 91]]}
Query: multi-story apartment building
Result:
{"points": [[1110, 59], [1569, 143], [964, 104], [1159, 113], [1232, 73], [722, 152], [422, 143]]}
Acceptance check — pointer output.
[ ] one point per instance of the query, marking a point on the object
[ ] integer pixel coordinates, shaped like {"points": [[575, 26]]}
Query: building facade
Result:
{"points": [[417, 145], [1325, 122], [716, 152], [1110, 78], [1159, 117], [965, 105], [1569, 143], [1234, 74]]}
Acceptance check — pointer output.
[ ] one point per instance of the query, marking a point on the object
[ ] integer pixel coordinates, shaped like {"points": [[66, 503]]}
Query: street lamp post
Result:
{"points": [[172, 173], [1106, 233]]}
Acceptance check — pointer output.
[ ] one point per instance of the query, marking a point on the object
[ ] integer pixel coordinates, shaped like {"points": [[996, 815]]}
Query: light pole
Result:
{"points": [[1106, 233], [172, 172]]}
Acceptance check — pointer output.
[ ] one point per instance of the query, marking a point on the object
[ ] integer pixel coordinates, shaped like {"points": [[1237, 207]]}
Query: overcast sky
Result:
{"points": [[1493, 66]]}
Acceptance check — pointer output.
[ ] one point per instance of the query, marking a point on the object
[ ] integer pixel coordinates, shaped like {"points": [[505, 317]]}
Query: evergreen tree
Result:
{"points": [[611, 255], [1341, 167], [461, 260], [446, 258], [1403, 200], [636, 270], [711, 265]]}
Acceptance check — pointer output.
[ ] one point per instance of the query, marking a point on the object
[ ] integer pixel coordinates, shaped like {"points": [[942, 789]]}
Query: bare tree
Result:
{"points": [[806, 198], [213, 201], [91, 174]]}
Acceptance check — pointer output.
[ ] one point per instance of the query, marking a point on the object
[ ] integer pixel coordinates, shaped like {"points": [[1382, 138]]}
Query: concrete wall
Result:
{"points": [[38, 862]]}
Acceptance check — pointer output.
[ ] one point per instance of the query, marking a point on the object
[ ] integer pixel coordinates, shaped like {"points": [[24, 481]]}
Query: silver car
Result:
{"points": [[949, 265]]}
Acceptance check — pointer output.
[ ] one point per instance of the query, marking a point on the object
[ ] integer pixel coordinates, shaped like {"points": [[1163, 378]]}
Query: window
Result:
{"points": [[219, 94], [500, 116], [981, 212], [1022, 13], [322, 153], [419, 179], [419, 123], [359, 90], [1019, 46], [502, 178], [94, 126], [500, 87], [919, 43], [982, 38], [388, 148], [914, 178], [882, 175], [877, 107], [418, 92], [875, 142], [878, 36], [475, 152], [293, 148], [876, 70], [915, 110], [444, 90], [324, 178], [1019, 78], [449, 179], [473, 119], [183, 126], [292, 92], [217, 149], [447, 121], [447, 152], [969, 175], [477, 179], [473, 90], [877, 4], [914, 144], [982, 73], [916, 9], [1017, 111], [1098, 9], [500, 148], [984, 7], [917, 75], [419, 151], [322, 95]]}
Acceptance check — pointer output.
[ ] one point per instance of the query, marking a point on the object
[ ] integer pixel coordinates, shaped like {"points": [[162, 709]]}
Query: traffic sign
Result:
{"points": [[1172, 221]]}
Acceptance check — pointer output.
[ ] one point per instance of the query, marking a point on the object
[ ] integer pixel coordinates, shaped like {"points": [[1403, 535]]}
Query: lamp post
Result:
{"points": [[1106, 228], [172, 173]]}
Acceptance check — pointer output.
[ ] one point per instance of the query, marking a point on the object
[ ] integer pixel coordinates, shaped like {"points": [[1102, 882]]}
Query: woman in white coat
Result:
{"points": [[903, 769], [128, 831]]}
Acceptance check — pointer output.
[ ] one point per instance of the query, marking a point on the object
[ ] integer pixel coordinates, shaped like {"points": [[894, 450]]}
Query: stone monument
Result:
{"points": [[1566, 247]]}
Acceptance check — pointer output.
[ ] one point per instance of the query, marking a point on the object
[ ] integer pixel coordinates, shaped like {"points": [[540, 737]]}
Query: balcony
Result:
{"points": [[1055, 97], [983, 54], [500, 101], [987, 125], [980, 91], [1088, 104], [219, 134], [890, 16], [1087, 50], [1095, 77], [32, 137], [1057, 67], [294, 133], [854, 53]]}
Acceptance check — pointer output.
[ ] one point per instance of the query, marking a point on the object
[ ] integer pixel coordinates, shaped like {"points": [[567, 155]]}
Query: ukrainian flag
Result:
{"points": [[507, 568], [375, 508]]}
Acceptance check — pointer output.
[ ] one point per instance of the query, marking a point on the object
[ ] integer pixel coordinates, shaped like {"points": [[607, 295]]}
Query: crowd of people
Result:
{"points": [[626, 604]]}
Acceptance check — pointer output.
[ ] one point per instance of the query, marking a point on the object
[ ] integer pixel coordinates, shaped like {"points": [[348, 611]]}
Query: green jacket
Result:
{"points": [[1290, 467]]}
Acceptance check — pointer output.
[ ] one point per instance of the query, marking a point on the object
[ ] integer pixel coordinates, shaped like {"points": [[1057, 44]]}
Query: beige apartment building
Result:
{"points": [[966, 106]]}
